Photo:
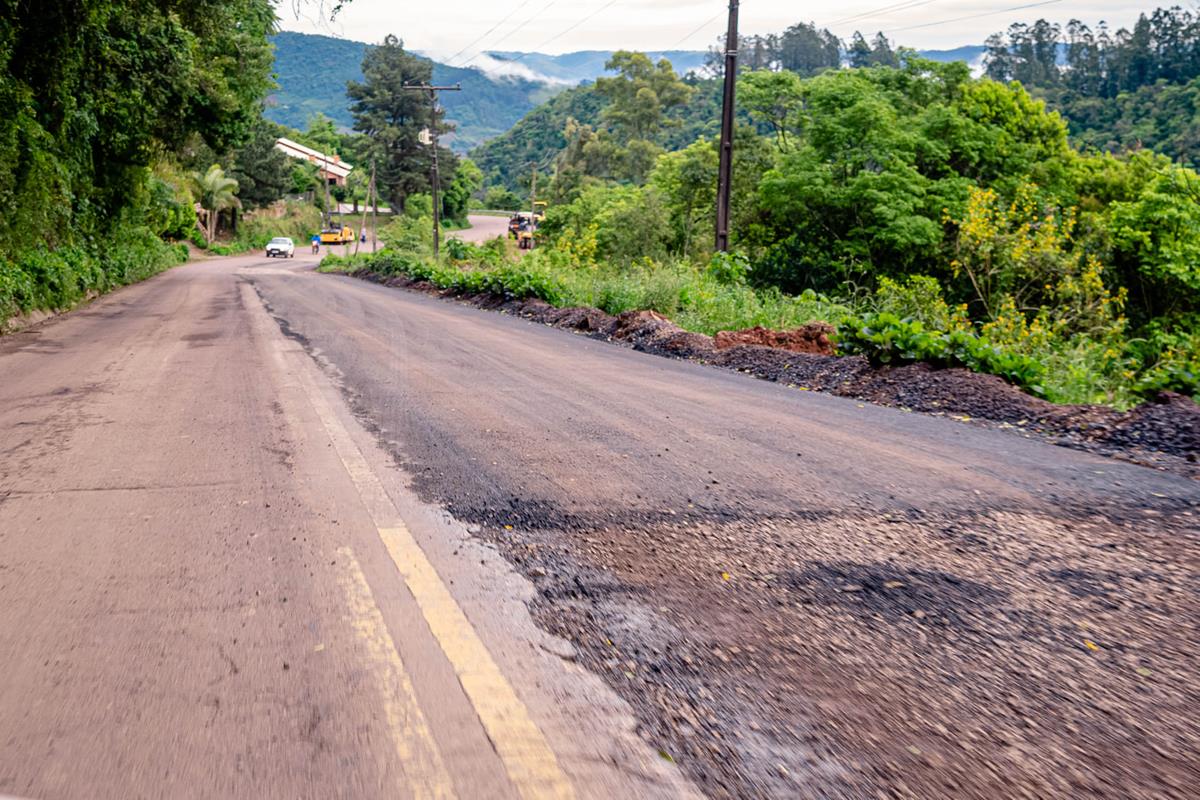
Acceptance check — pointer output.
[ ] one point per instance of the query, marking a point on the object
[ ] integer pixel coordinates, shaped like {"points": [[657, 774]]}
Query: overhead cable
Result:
{"points": [[974, 16]]}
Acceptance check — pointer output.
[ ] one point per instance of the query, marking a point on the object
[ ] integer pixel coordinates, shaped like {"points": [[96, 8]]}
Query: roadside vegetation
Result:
{"points": [[132, 129], [92, 180], [929, 215]]}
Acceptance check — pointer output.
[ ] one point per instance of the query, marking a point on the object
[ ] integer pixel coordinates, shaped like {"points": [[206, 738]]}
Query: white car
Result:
{"points": [[281, 246]]}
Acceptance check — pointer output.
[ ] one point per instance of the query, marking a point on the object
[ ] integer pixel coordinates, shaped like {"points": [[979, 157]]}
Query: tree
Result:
{"points": [[882, 54], [641, 94], [95, 92], [639, 98], [773, 98], [878, 53], [500, 198], [859, 51], [806, 50], [215, 193], [997, 62], [262, 172], [392, 117], [321, 134], [1157, 238], [687, 180], [456, 199]]}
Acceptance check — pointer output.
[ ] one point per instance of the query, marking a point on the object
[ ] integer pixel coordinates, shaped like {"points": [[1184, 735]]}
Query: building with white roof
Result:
{"points": [[331, 167]]}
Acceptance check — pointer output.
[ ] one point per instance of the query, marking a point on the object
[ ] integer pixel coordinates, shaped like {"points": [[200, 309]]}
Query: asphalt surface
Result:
{"points": [[483, 227], [214, 584], [795, 595]]}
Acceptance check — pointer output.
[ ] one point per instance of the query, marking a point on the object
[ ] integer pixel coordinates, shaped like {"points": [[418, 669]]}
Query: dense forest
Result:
{"points": [[102, 99], [1118, 90], [135, 127]]}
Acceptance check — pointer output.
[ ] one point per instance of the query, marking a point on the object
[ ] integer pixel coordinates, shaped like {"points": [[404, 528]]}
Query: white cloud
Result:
{"points": [[495, 67]]}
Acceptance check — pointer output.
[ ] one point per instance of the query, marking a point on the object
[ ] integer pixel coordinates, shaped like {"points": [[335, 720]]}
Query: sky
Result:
{"points": [[465, 28]]}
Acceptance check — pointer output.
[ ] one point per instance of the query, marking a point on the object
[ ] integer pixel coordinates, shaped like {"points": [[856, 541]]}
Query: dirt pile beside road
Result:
{"points": [[813, 338], [1162, 433]]}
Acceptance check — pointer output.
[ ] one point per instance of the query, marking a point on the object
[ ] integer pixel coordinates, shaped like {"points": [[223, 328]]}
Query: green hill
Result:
{"points": [[312, 72], [538, 138]]}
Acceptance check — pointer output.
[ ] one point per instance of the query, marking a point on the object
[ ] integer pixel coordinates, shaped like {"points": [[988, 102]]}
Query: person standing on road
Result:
{"points": [[316, 243]]}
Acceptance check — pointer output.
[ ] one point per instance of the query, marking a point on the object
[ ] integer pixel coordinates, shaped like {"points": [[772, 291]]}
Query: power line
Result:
{"points": [[974, 16], [488, 32], [693, 33], [572, 27], [879, 12], [519, 26]]}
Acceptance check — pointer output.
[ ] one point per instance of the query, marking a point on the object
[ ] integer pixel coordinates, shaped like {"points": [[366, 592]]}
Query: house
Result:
{"points": [[330, 167]]}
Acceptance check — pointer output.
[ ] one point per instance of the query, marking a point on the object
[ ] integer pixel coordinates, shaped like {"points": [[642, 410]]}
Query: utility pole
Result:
{"points": [[374, 208], [367, 209], [725, 173], [433, 138], [533, 207], [325, 180]]}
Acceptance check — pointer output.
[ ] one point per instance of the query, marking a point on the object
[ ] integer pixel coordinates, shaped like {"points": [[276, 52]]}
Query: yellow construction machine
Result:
{"points": [[337, 234]]}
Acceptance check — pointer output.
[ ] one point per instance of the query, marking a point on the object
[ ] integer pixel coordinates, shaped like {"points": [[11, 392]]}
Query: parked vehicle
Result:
{"points": [[514, 224], [337, 235], [281, 246], [526, 230]]}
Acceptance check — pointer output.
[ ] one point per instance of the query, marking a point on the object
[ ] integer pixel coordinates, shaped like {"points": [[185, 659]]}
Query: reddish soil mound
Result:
{"points": [[812, 338]]}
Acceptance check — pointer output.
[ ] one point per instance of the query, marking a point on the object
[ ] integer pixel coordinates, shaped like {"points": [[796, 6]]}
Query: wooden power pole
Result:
{"points": [[434, 179], [367, 209], [533, 206], [725, 173]]}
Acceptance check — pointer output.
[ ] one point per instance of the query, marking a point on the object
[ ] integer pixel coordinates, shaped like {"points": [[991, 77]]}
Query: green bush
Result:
{"points": [[409, 234], [885, 338], [1180, 373], [299, 222], [499, 198], [54, 280], [729, 268], [917, 297], [1169, 356]]}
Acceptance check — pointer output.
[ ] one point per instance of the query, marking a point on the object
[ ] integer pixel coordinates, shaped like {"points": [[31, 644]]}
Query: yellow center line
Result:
{"points": [[419, 757], [530, 763]]}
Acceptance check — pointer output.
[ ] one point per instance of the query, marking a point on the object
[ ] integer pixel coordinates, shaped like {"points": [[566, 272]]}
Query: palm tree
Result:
{"points": [[216, 193]]}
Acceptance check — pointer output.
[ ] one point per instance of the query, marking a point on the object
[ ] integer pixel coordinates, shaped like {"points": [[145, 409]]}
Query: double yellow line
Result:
{"points": [[527, 758]]}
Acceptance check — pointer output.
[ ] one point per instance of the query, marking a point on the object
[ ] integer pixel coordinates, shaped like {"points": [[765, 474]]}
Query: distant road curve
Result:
{"points": [[483, 228]]}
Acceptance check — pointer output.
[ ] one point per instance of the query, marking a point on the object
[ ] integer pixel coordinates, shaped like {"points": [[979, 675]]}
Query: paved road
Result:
{"points": [[225, 569], [483, 228], [213, 583]]}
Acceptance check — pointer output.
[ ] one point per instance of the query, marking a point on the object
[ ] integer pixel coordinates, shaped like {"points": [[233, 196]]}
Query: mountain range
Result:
{"points": [[498, 89]]}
